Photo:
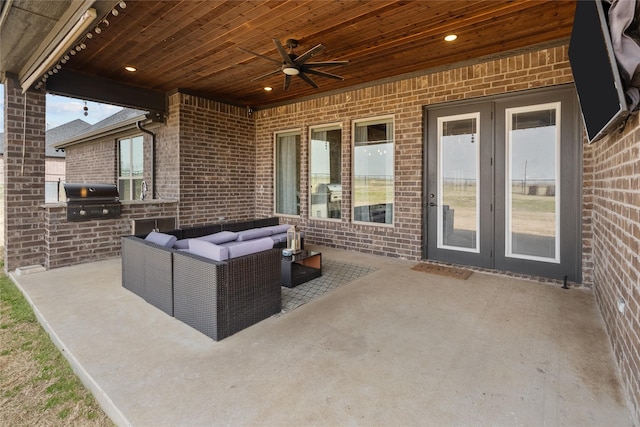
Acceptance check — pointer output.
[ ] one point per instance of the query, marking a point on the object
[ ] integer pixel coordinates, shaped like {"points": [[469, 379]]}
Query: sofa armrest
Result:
{"points": [[147, 271], [132, 255], [158, 277]]}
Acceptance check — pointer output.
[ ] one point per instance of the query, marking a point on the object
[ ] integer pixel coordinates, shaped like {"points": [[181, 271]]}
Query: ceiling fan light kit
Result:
{"points": [[290, 71], [292, 64]]}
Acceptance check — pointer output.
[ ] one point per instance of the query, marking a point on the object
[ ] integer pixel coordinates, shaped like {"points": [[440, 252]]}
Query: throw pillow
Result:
{"points": [[221, 237], [254, 233], [162, 239], [250, 247], [278, 229], [208, 250]]}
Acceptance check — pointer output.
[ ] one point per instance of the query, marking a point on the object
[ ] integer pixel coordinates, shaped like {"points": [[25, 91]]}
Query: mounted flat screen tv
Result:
{"points": [[595, 71]]}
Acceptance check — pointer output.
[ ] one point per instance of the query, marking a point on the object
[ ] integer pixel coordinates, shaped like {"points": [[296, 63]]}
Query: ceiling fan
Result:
{"points": [[294, 65]]}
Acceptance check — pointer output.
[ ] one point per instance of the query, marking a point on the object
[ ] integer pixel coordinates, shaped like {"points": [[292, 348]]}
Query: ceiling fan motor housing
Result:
{"points": [[291, 43]]}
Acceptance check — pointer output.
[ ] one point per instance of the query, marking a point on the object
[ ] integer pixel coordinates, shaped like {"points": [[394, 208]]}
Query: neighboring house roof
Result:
{"points": [[127, 117], [55, 135], [121, 116], [62, 132], [78, 130]]}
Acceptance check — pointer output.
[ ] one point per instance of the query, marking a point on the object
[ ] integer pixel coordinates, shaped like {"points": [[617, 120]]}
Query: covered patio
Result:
{"points": [[394, 347]]}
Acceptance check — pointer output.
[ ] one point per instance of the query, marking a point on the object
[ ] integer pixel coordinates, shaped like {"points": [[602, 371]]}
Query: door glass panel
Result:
{"points": [[532, 198], [458, 178]]}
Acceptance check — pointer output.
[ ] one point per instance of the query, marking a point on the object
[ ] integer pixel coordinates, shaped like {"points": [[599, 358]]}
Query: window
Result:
{"points": [[130, 168], [325, 168], [287, 173], [373, 171]]}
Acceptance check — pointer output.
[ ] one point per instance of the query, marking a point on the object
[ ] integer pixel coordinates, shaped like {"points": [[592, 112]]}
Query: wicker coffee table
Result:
{"points": [[300, 268]]}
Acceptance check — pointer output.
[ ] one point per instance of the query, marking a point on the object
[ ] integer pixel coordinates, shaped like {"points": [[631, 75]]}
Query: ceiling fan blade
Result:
{"points": [[308, 54], [259, 55], [306, 78], [285, 56], [287, 81], [270, 73], [325, 64], [324, 74]]}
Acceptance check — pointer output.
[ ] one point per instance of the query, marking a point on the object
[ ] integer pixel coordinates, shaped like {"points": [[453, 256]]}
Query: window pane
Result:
{"points": [[137, 152], [125, 158], [124, 188], [373, 165], [287, 171], [137, 189], [532, 199], [326, 172]]}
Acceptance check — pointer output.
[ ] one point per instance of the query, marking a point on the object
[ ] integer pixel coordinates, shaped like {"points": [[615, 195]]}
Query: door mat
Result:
{"points": [[443, 270]]}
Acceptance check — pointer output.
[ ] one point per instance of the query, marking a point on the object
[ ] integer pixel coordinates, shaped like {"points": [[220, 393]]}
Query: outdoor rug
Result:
{"points": [[334, 275], [443, 270]]}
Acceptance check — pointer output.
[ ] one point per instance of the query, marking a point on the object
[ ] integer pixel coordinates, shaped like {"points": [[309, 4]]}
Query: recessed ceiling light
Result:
{"points": [[268, 88], [450, 37], [131, 69]]}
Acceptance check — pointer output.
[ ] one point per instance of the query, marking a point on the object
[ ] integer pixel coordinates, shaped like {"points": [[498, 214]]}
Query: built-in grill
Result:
{"points": [[333, 191], [92, 201]]}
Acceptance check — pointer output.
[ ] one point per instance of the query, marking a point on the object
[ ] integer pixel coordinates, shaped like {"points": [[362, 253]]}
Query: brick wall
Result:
{"points": [[168, 153], [217, 162], [93, 162], [68, 243], [614, 169], [24, 169], [405, 100]]}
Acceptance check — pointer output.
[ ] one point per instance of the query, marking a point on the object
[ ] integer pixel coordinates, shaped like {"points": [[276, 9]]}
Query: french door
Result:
{"points": [[503, 184]]}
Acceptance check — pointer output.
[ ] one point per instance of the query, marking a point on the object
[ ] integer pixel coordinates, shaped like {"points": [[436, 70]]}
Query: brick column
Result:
{"points": [[24, 165]]}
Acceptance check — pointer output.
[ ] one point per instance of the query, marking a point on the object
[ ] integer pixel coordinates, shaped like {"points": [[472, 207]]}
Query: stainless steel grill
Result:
{"points": [[332, 191], [92, 201]]}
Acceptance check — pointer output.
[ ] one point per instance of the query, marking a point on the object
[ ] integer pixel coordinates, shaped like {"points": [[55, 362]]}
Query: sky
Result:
{"points": [[533, 152], [61, 110]]}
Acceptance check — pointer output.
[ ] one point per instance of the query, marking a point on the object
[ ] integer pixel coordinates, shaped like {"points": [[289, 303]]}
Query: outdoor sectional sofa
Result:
{"points": [[217, 288]]}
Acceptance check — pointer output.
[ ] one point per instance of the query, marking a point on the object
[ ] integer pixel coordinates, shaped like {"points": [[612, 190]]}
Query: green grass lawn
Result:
{"points": [[37, 384]]}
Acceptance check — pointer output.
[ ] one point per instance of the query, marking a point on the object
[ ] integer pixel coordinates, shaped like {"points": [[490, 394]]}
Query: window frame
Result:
{"points": [[326, 126], [389, 119]]}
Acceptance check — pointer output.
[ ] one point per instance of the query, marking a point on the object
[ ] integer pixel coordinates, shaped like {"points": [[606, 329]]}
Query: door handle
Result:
{"points": [[432, 204]]}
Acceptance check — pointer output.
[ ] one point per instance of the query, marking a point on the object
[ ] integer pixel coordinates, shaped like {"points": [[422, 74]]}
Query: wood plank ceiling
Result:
{"points": [[194, 45]]}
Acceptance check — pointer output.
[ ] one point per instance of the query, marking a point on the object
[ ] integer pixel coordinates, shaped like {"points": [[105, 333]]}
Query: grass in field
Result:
{"points": [[531, 214], [37, 385], [373, 191]]}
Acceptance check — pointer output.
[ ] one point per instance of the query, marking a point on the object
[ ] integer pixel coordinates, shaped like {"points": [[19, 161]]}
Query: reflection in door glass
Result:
{"points": [[533, 194], [458, 191]]}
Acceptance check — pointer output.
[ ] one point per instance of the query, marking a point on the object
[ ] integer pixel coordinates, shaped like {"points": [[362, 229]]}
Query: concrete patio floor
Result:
{"points": [[396, 347]]}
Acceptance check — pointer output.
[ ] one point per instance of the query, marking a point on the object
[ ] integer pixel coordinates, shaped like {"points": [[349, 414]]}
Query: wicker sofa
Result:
{"points": [[218, 298]]}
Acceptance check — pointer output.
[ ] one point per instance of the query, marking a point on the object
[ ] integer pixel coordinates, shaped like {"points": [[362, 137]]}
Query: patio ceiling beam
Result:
{"points": [[97, 89]]}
